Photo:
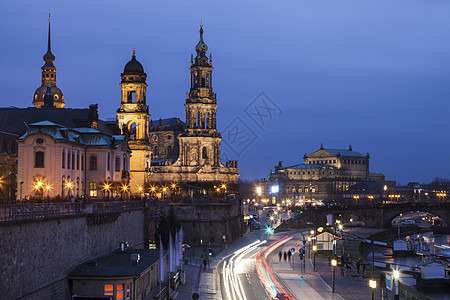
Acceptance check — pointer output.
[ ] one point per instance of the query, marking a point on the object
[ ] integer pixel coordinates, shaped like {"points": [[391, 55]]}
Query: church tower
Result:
{"points": [[132, 118], [48, 78], [200, 143]]}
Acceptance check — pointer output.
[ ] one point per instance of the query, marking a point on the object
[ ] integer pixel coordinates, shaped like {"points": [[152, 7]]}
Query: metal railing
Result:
{"points": [[40, 211]]}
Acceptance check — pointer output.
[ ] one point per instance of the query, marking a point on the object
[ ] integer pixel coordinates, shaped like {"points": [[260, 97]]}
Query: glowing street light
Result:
{"points": [[334, 264], [373, 286], [40, 183], [314, 247], [396, 274], [259, 190]]}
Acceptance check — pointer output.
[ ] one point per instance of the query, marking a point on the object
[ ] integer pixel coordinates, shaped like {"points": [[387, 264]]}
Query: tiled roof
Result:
{"points": [[345, 152]]}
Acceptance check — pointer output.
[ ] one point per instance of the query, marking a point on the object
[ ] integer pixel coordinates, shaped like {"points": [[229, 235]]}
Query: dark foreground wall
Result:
{"points": [[35, 255], [209, 222]]}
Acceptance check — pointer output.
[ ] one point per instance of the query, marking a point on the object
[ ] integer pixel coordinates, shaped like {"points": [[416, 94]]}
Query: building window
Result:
{"points": [[39, 159], [204, 153], [109, 290], [64, 160], [117, 167], [78, 160], [119, 292], [128, 291], [108, 162], [82, 162], [93, 189], [124, 163], [93, 163], [169, 150], [73, 160], [155, 151]]}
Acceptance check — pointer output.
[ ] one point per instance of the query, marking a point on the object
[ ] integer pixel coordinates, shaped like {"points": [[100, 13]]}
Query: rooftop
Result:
{"points": [[117, 264]]}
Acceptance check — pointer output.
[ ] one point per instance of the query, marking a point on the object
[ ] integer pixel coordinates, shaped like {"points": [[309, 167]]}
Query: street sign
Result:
{"points": [[301, 250], [292, 250]]}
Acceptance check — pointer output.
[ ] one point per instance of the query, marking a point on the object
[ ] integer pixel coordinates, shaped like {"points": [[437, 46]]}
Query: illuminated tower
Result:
{"points": [[200, 143], [132, 118], [48, 78]]}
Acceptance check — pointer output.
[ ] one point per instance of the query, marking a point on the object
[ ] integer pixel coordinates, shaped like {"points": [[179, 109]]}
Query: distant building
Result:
{"points": [[326, 174], [57, 160]]}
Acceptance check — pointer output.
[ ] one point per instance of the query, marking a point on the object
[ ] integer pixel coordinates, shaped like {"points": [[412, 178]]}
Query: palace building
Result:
{"points": [[326, 174]]}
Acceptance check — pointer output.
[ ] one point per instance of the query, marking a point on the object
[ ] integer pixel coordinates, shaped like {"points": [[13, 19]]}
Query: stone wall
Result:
{"points": [[209, 222], [35, 255]]}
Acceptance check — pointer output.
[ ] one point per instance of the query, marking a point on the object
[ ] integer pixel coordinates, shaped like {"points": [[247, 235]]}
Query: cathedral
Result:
{"points": [[171, 152], [167, 157]]}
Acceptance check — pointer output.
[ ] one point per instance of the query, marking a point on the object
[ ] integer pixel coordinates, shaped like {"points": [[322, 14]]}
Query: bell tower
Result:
{"points": [[132, 118], [48, 78], [200, 143]]}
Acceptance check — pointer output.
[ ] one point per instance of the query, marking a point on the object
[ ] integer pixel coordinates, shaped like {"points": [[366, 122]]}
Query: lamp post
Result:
{"points": [[373, 286], [396, 284], [140, 192], [48, 190], [333, 265], [314, 258]]}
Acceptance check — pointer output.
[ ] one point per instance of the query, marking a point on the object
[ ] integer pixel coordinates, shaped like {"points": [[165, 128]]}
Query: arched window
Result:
{"points": [[82, 162], [117, 164], [93, 163], [78, 160], [73, 160], [39, 159], [204, 153], [68, 159], [124, 163], [63, 159], [108, 161]]}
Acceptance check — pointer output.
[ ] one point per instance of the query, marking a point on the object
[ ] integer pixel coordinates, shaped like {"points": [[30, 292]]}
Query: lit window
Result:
{"points": [[128, 291], [119, 292], [109, 290], [93, 189], [117, 168]]}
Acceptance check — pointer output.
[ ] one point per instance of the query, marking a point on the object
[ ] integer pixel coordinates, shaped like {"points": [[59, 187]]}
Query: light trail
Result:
{"points": [[266, 274], [230, 272]]}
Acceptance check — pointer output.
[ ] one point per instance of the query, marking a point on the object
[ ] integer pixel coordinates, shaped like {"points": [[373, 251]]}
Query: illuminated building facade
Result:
{"points": [[57, 160], [199, 142], [326, 174]]}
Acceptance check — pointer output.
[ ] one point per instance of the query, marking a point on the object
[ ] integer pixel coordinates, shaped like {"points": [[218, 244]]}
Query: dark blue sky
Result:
{"points": [[373, 74]]}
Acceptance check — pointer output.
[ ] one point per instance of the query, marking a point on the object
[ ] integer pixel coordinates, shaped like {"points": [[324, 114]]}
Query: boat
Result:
{"points": [[439, 226], [432, 276]]}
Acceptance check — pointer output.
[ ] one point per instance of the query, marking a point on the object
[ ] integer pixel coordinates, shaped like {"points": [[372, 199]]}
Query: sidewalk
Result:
{"points": [[317, 285]]}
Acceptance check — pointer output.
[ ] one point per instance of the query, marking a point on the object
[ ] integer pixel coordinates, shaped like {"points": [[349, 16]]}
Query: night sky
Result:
{"points": [[373, 74]]}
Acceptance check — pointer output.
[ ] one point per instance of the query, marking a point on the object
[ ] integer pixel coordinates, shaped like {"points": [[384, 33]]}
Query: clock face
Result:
{"points": [[155, 137]]}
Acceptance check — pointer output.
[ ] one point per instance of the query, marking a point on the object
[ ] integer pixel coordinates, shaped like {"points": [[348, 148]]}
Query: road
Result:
{"points": [[244, 273]]}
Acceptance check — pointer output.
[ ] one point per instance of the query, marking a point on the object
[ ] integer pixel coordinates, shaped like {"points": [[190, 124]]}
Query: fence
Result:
{"points": [[40, 211]]}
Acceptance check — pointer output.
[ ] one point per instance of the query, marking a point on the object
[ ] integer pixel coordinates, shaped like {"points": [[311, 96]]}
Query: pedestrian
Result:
{"points": [[364, 268], [289, 255], [204, 264], [280, 255], [358, 265], [342, 271], [285, 255]]}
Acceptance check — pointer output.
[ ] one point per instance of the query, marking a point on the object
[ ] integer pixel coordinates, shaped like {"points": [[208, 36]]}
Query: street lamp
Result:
{"points": [[373, 285], [334, 264], [314, 259], [396, 283], [48, 190], [140, 191]]}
